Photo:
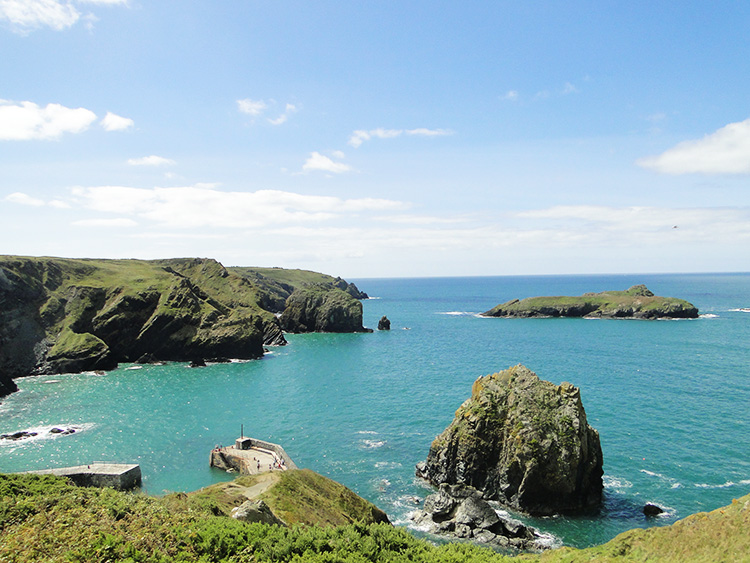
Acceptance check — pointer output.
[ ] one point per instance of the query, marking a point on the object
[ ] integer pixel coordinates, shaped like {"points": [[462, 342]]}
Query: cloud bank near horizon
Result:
{"points": [[726, 151]]}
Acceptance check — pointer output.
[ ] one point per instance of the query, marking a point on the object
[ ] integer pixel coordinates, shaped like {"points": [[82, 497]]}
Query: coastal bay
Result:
{"points": [[666, 397]]}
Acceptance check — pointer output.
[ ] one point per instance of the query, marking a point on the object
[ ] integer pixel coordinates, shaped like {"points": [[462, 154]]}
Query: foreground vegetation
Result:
{"points": [[44, 518]]}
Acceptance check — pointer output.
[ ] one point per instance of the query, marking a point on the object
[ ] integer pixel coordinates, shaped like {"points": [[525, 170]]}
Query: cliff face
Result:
{"points": [[63, 315], [322, 308], [59, 315], [524, 442], [637, 303]]}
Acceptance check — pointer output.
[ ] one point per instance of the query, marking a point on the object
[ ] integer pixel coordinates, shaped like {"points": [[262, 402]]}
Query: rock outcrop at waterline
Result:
{"points": [[320, 308], [524, 442], [65, 315], [638, 302], [460, 512]]}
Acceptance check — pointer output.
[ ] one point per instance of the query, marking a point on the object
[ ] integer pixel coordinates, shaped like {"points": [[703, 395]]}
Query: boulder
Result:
{"points": [[384, 323], [652, 509], [460, 512], [256, 511], [523, 442]]}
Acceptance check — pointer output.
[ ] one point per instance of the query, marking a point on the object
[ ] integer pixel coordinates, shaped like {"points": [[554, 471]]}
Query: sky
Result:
{"points": [[379, 138]]}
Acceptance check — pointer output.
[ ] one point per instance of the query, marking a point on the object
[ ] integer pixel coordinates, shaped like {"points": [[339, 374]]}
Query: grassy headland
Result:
{"points": [[44, 518]]}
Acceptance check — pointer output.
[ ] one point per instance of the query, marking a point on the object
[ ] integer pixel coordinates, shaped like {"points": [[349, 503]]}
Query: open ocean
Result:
{"points": [[670, 399]]}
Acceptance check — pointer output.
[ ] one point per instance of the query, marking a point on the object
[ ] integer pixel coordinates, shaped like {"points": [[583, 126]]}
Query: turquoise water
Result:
{"points": [[669, 398]]}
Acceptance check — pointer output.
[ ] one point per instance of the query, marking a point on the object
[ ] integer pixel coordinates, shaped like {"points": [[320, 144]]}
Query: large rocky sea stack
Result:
{"points": [[524, 442]]}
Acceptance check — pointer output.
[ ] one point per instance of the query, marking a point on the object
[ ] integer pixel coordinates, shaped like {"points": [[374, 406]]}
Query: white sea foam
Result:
{"points": [[134, 367], [387, 465], [458, 313], [547, 540], [722, 486], [659, 476], [708, 316], [371, 444], [611, 482], [366, 432], [741, 310]]}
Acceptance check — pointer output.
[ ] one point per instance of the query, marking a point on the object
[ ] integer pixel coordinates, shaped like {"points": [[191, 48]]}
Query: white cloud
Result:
{"points": [[152, 160], [203, 206], [24, 199], [634, 226], [26, 121], [511, 96], [569, 88], [289, 110], [360, 136], [251, 107], [113, 122], [105, 2], [726, 151], [120, 222], [317, 161], [26, 15]]}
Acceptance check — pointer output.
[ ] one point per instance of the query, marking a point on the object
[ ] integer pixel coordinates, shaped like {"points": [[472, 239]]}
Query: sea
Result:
{"points": [[670, 398]]}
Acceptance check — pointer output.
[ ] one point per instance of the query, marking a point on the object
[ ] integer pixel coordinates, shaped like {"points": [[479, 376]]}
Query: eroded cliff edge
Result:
{"points": [[65, 315], [521, 441], [637, 302]]}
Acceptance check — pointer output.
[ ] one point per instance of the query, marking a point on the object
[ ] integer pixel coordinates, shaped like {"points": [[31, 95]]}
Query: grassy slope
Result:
{"points": [[297, 497], [42, 518], [295, 278]]}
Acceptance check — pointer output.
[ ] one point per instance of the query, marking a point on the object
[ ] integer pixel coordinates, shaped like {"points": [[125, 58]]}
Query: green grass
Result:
{"points": [[44, 518]]}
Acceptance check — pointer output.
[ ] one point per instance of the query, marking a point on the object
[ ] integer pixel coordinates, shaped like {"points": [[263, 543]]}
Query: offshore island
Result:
{"points": [[637, 302]]}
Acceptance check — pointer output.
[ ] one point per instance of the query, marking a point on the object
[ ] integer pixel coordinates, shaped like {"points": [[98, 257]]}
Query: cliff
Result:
{"points": [[636, 303], [322, 308], [524, 442], [65, 315], [277, 284]]}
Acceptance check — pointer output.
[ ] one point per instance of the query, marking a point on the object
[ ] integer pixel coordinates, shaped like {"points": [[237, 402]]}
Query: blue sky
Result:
{"points": [[379, 138]]}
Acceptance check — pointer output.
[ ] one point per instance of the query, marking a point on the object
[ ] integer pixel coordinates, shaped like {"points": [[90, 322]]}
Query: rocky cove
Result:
{"points": [[348, 387], [67, 315]]}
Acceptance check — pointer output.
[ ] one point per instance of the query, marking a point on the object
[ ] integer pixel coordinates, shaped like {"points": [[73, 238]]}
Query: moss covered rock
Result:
{"points": [[524, 442]]}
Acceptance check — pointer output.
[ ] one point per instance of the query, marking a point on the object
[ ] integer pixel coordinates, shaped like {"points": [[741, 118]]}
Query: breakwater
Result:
{"points": [[249, 456], [120, 476]]}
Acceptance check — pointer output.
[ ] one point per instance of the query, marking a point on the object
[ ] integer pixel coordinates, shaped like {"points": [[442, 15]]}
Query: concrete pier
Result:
{"points": [[120, 476], [249, 456]]}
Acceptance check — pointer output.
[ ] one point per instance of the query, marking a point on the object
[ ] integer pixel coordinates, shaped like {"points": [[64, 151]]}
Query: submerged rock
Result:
{"points": [[524, 442]]}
